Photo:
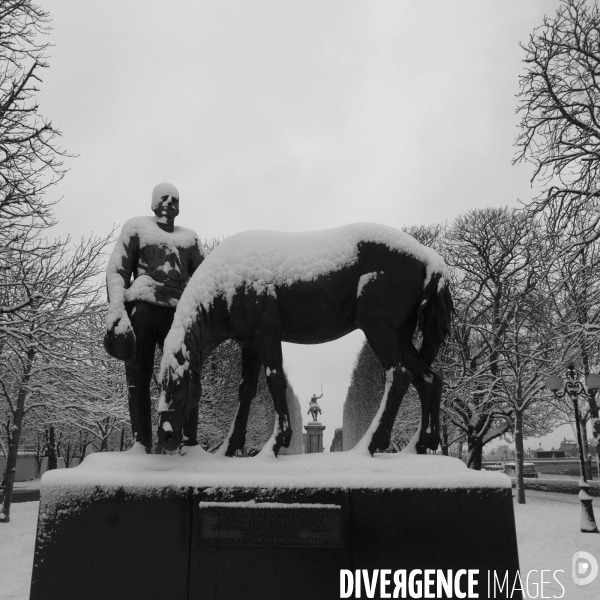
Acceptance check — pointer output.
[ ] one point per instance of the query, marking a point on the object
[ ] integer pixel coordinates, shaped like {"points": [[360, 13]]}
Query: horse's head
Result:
{"points": [[179, 396], [170, 429]]}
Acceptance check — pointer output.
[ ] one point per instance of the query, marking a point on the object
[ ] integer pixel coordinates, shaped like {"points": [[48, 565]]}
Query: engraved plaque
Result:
{"points": [[270, 524]]}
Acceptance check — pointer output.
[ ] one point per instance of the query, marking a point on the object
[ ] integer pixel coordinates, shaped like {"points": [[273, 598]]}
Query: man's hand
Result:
{"points": [[119, 341]]}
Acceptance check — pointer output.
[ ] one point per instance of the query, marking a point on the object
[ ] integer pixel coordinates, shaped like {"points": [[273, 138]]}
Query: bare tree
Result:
{"points": [[40, 343], [94, 392], [576, 305], [30, 159], [500, 259], [559, 102], [480, 418]]}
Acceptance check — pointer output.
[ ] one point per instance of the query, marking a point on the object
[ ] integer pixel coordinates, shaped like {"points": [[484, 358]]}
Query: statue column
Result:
{"points": [[314, 437]]}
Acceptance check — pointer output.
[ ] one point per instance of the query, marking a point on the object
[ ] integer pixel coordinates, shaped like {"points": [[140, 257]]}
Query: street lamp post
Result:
{"points": [[574, 389]]}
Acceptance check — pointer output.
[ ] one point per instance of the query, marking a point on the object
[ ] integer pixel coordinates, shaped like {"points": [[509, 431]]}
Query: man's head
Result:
{"points": [[165, 201]]}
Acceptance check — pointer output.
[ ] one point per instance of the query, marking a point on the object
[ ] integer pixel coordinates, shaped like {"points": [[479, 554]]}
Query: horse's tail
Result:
{"points": [[435, 315]]}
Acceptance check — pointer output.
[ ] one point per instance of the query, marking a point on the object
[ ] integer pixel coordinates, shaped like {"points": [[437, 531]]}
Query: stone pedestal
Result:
{"points": [[314, 437], [194, 534]]}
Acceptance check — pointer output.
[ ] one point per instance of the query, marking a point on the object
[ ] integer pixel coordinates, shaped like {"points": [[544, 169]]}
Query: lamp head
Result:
{"points": [[592, 381], [554, 383]]}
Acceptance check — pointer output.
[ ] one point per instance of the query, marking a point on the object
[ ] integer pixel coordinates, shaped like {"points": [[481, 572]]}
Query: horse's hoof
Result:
{"points": [[429, 441], [282, 440], [230, 451], [379, 441]]}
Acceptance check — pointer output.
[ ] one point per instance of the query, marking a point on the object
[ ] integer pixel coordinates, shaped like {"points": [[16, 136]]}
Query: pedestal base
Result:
{"points": [[221, 541], [314, 437]]}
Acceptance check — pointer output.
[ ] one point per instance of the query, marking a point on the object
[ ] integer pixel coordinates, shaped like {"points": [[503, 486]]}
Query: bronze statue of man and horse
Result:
{"points": [[262, 288]]}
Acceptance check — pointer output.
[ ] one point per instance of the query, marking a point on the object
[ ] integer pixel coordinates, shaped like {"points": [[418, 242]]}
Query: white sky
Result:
{"points": [[295, 115]]}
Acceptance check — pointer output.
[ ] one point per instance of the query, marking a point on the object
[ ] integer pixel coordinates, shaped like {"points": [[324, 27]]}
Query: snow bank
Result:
{"points": [[262, 260], [347, 470]]}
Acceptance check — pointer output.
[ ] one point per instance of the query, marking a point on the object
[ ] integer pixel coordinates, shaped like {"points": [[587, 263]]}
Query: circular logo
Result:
{"points": [[585, 568]]}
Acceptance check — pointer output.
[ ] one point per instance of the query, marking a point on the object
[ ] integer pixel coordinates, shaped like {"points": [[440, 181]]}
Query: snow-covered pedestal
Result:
{"points": [[198, 526]]}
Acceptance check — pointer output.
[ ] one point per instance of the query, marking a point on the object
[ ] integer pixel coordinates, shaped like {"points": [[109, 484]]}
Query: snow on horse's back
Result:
{"points": [[264, 287]]}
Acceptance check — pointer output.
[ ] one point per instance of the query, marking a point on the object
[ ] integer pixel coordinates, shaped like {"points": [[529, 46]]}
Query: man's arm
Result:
{"points": [[118, 276]]}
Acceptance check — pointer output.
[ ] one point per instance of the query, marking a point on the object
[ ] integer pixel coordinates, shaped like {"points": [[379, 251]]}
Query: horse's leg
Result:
{"points": [[247, 393], [267, 338], [428, 384], [384, 343]]}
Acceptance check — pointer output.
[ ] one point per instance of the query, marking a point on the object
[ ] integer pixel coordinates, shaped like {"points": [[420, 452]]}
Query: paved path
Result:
{"points": [[25, 491], [24, 496]]}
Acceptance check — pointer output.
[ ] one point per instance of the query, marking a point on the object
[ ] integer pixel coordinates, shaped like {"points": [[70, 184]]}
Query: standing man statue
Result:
{"points": [[314, 409], [160, 258]]}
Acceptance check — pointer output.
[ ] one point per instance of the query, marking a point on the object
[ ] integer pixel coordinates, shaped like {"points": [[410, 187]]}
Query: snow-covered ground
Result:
{"points": [[547, 529], [17, 541]]}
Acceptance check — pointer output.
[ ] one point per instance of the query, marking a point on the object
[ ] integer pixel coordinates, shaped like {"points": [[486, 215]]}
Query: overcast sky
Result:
{"points": [[295, 115]]}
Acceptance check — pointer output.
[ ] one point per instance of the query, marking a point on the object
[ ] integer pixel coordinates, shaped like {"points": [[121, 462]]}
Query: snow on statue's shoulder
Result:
{"points": [[148, 232]]}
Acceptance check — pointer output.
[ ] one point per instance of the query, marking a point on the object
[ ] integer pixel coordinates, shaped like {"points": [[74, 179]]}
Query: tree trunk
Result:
{"points": [[460, 450], [52, 453], [84, 444], [13, 444], [475, 451], [2, 444], [8, 430], [68, 454], [39, 455], [519, 479], [104, 443]]}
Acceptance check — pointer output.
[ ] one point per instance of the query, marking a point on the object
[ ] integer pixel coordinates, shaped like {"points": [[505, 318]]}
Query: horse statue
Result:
{"points": [[262, 288], [314, 410]]}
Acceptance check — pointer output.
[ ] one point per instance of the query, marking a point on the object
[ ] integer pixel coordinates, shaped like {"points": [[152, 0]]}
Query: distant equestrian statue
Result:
{"points": [[314, 409]]}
